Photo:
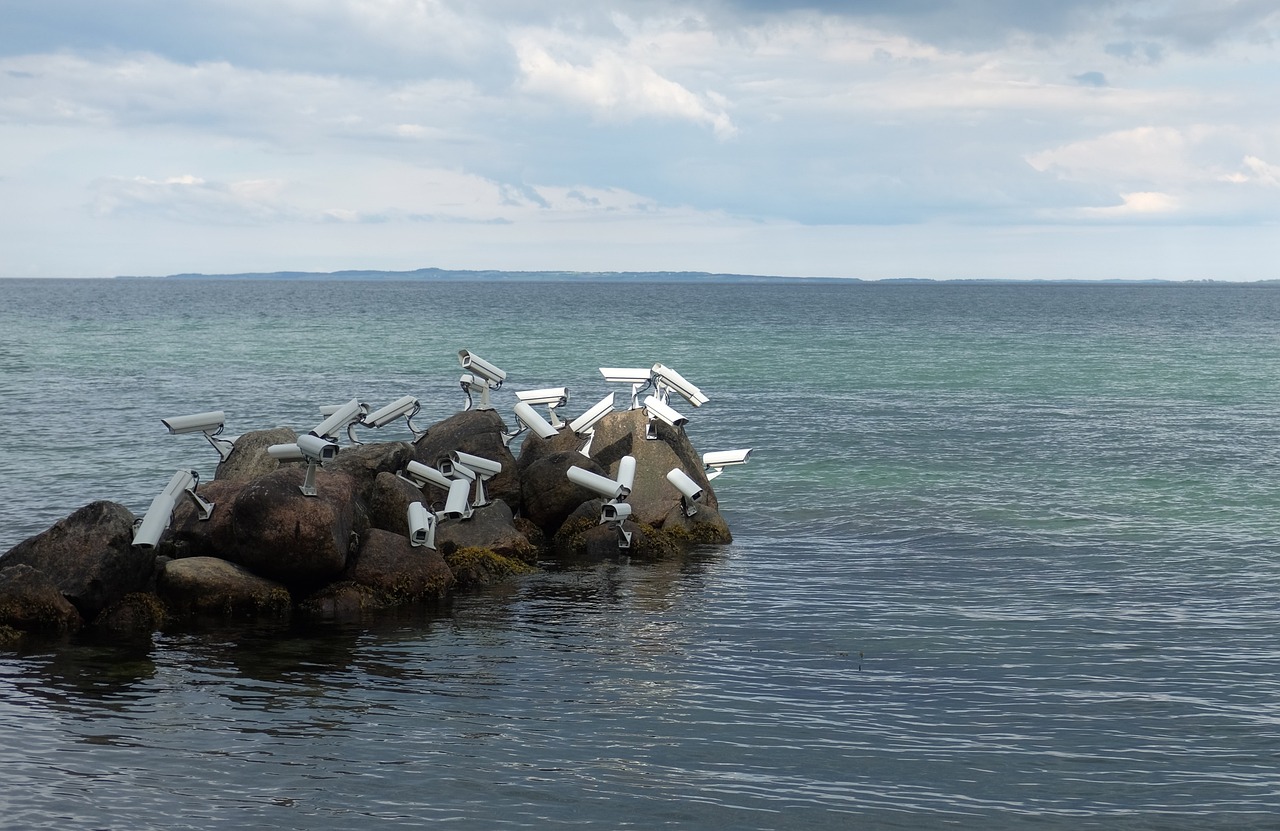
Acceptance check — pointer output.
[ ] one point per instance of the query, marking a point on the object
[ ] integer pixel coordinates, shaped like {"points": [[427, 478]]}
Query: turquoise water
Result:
{"points": [[1004, 558]]}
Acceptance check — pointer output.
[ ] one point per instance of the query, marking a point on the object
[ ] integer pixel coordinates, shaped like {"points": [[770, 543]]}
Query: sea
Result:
{"points": [[1006, 556]]}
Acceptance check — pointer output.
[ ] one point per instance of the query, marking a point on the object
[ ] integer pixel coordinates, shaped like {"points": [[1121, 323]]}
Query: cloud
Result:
{"points": [[1141, 204], [616, 88]]}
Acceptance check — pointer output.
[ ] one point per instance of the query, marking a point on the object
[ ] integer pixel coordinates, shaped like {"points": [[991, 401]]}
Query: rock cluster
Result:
{"points": [[268, 549]]}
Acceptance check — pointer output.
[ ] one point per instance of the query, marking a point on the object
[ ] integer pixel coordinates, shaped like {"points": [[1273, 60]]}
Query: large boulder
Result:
{"points": [[480, 433], [301, 541], [249, 458], [491, 527], [388, 503], [403, 573], [705, 526], [31, 602], [533, 447], [366, 462], [89, 556], [549, 495], [652, 496], [191, 536], [208, 586]]}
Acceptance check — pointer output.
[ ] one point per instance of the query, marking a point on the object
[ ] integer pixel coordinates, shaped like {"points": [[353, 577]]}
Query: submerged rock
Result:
{"points": [[210, 586], [401, 572], [491, 527], [31, 602]]}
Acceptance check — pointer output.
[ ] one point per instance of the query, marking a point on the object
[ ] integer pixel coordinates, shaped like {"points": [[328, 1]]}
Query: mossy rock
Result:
{"points": [[9, 637], [474, 567], [345, 600], [137, 613]]}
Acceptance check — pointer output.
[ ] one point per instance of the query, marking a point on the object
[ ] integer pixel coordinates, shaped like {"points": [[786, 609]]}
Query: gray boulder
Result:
{"points": [[388, 503], [366, 462], [478, 432], [652, 496], [191, 536], [89, 556], [249, 458], [491, 527], [388, 564], [297, 540], [31, 602], [208, 586], [533, 448], [549, 496]]}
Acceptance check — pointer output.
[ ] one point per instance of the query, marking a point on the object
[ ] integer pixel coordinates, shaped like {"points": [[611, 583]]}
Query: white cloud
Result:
{"points": [[1142, 204], [617, 88]]}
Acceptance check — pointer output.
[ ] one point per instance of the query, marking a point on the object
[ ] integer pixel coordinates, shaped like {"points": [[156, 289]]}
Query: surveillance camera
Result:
{"points": [[420, 475], [406, 406], [627, 472], [285, 452], [344, 416], [587, 420], [455, 505], [553, 396], [637, 378], [316, 449], [529, 417], [479, 366], [210, 422], [603, 485], [690, 491], [483, 467], [716, 461], [614, 512], [473, 382], [148, 530], [422, 526], [656, 409], [667, 378]]}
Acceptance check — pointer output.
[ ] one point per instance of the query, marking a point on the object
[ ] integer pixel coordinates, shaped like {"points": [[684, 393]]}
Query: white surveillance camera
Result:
{"points": [[471, 383], [484, 467], [716, 461], [614, 512], [422, 526], [690, 491], [345, 415], [587, 420], [315, 450], [603, 485], [552, 396], [662, 412], [479, 366], [420, 475], [456, 505], [530, 418], [666, 378], [285, 452], [407, 407], [147, 533], [210, 423], [637, 378], [627, 472]]}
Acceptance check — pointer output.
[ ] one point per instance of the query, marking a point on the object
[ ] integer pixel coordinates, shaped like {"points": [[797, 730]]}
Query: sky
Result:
{"points": [[942, 139]]}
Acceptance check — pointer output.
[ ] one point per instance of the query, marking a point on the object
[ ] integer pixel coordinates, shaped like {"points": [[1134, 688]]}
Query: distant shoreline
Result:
{"points": [[495, 276]]}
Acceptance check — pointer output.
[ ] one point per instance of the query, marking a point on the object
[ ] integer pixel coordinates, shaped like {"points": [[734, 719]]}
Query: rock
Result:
{"points": [[31, 602], [601, 542], [89, 556], [478, 432], [190, 536], [491, 527], [388, 503], [533, 448], [301, 541], [138, 613], [549, 496], [249, 458], [652, 496], [210, 586], [366, 462], [390, 565], [344, 601], [706, 527], [478, 567]]}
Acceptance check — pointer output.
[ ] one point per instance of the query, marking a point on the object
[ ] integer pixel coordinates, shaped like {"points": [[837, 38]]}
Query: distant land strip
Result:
{"points": [[462, 276]]}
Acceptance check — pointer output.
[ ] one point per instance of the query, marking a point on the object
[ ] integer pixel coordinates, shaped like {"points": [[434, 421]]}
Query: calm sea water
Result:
{"points": [[1005, 557]]}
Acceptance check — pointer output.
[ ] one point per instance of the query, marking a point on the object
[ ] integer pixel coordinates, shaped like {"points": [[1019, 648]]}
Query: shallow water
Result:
{"points": [[1004, 557]]}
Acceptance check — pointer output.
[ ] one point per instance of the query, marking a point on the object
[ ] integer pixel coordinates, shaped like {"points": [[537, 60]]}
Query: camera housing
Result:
{"points": [[665, 379], [210, 424], [148, 530], [422, 526], [716, 461], [344, 415], [690, 491], [406, 406], [530, 419], [420, 475], [638, 378]]}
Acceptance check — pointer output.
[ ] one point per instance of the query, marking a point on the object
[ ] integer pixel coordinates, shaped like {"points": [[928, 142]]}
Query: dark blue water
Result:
{"points": [[1004, 558]]}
